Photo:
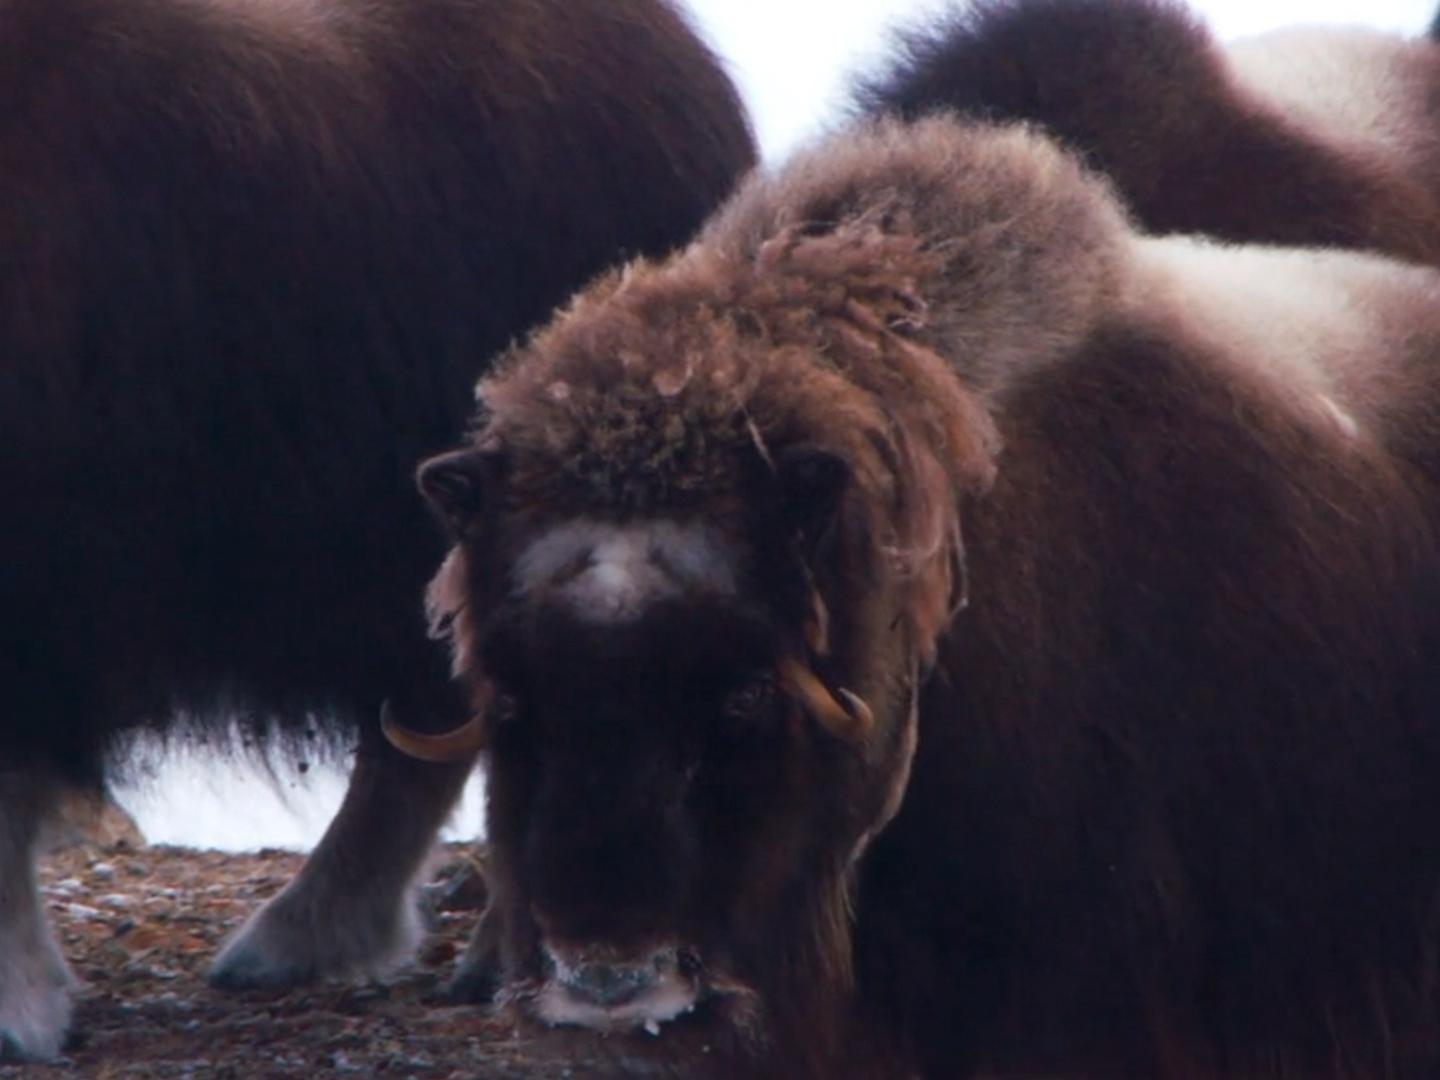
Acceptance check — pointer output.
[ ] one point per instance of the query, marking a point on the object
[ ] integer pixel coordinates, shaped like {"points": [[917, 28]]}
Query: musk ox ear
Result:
{"points": [[458, 485], [812, 483]]}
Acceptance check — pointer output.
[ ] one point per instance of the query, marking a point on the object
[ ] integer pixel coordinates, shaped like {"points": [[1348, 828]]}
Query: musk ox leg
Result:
{"points": [[352, 910], [34, 980], [477, 975]]}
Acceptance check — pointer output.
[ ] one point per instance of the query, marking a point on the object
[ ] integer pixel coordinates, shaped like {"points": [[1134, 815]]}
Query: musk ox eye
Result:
{"points": [[751, 700], [504, 708]]}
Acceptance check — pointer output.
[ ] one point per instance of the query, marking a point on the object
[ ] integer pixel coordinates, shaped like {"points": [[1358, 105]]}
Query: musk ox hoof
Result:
{"points": [[34, 1004], [476, 981], [295, 939], [477, 974]]}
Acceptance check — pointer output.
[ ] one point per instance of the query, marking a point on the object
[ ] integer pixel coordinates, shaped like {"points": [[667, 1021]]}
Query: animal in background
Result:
{"points": [[1310, 135], [255, 256]]}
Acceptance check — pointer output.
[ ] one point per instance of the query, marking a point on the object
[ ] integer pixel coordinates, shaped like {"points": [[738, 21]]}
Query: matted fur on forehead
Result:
{"points": [[831, 305]]}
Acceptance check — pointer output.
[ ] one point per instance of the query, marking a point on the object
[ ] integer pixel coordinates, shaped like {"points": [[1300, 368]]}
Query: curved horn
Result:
{"points": [[460, 744], [842, 713], [817, 627], [857, 707]]}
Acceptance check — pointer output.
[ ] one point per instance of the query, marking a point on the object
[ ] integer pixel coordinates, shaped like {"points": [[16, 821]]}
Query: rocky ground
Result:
{"points": [[140, 926]]}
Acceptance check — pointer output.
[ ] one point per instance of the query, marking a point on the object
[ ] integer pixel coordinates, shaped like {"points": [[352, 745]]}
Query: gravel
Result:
{"points": [[140, 929]]}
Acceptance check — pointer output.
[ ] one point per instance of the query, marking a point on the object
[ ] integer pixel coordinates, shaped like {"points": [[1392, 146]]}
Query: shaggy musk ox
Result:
{"points": [[1301, 136], [254, 256], [930, 627]]}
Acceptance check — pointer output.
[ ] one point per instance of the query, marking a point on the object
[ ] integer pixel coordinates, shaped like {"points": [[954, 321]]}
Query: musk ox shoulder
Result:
{"points": [[928, 626], [255, 256]]}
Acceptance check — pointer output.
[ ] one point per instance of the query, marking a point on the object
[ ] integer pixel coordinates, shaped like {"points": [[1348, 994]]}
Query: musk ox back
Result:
{"points": [[254, 256], [1300, 136], [929, 627]]}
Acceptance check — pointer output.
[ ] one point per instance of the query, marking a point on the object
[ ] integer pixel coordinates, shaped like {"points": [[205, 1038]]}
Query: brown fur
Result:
{"points": [[326, 214], [1161, 535], [1192, 139], [255, 254]]}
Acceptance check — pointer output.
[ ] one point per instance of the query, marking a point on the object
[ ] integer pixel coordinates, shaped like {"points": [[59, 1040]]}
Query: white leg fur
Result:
{"points": [[34, 981], [352, 910]]}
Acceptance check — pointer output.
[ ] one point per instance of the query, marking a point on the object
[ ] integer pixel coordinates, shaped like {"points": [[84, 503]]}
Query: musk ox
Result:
{"points": [[1301, 136], [930, 627], [253, 256]]}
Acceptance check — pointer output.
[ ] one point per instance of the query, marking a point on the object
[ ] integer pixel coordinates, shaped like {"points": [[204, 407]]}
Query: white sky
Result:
{"points": [[791, 57]]}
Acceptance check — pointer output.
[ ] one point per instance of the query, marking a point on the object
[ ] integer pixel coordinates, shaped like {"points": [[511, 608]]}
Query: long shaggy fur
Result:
{"points": [[255, 253], [1311, 136], [255, 256], [593, 423], [1172, 804]]}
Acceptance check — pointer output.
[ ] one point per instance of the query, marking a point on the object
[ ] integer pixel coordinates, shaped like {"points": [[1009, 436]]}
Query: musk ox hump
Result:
{"points": [[1005, 247]]}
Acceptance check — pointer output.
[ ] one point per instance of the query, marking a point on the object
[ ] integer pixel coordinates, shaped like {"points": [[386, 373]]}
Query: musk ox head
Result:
{"points": [[707, 534]]}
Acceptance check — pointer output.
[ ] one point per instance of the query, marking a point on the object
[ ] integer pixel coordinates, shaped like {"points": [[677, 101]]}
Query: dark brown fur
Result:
{"points": [[253, 266], [254, 256], [1142, 89], [1169, 796]]}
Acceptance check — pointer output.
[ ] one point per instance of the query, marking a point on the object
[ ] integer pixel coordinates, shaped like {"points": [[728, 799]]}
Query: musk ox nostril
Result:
{"points": [[687, 962], [610, 985]]}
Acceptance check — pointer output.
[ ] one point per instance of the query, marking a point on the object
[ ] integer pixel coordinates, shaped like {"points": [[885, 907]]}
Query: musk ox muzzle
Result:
{"points": [[607, 990]]}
